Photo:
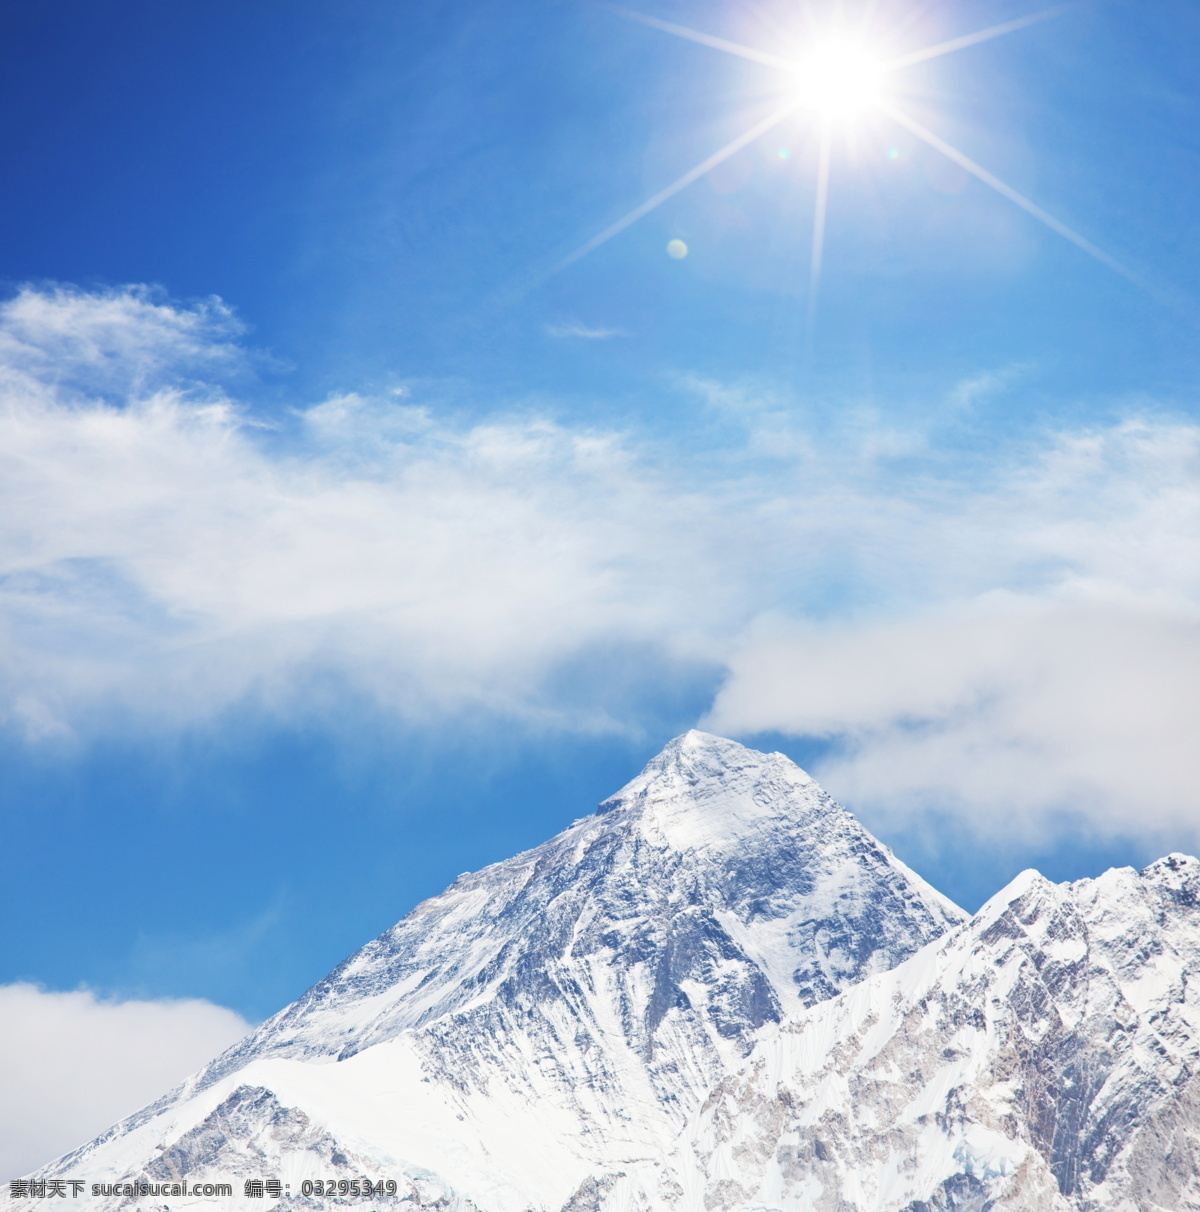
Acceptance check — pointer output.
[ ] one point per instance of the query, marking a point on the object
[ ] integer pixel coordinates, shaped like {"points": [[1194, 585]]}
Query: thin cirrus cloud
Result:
{"points": [[72, 1064], [577, 330], [1026, 633]]}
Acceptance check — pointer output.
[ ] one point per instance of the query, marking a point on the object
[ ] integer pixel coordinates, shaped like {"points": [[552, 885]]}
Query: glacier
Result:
{"points": [[718, 991]]}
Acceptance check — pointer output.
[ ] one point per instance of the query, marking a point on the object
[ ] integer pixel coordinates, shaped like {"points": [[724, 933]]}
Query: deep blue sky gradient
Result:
{"points": [[379, 190], [382, 192]]}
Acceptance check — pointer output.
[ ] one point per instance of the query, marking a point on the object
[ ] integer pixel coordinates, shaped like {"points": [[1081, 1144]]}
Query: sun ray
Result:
{"points": [[888, 66], [694, 174], [1006, 190], [984, 35], [694, 35], [935, 51], [818, 235]]}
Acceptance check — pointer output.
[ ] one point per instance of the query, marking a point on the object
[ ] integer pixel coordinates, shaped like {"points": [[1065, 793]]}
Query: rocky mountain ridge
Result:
{"points": [[720, 992]]}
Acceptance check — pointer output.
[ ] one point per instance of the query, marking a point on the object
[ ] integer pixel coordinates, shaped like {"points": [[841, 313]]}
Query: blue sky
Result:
{"points": [[350, 541]]}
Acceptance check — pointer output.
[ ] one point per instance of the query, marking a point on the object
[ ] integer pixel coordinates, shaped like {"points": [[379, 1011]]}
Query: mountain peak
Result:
{"points": [[696, 997], [703, 790], [695, 742], [634, 960], [699, 751]]}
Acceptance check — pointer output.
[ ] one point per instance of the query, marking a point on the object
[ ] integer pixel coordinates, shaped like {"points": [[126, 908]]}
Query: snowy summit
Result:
{"points": [[719, 991]]}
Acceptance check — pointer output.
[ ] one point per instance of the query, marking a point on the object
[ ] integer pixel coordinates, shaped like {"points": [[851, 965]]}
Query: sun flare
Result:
{"points": [[840, 77], [839, 80]]}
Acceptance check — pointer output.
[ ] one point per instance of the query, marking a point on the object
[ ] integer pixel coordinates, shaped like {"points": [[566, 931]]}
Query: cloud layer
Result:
{"points": [[1012, 709], [72, 1065], [1053, 665], [976, 632], [164, 555]]}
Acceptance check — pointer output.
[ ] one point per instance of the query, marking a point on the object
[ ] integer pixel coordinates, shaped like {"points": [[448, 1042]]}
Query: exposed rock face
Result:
{"points": [[720, 992]]}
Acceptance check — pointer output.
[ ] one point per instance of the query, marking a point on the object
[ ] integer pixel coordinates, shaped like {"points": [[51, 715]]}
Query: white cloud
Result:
{"points": [[1009, 710], [1049, 659], [583, 332], [71, 1065], [162, 557], [124, 340], [969, 391], [1015, 625]]}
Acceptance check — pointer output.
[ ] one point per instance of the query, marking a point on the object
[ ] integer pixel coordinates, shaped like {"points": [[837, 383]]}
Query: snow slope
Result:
{"points": [[718, 992], [1041, 1058]]}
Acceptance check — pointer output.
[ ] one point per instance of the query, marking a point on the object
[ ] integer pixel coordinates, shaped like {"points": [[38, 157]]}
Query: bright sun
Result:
{"points": [[840, 77]]}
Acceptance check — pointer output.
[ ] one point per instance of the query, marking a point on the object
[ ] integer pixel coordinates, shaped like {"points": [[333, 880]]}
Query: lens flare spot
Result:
{"points": [[676, 250]]}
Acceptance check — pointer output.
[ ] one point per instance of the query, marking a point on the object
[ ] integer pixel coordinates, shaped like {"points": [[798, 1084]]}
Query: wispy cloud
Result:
{"points": [[987, 383], [579, 331], [122, 341], [1024, 628], [1048, 658], [158, 558]]}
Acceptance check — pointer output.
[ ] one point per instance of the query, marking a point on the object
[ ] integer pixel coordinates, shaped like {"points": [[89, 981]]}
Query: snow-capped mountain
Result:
{"points": [[718, 992], [1042, 1058]]}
